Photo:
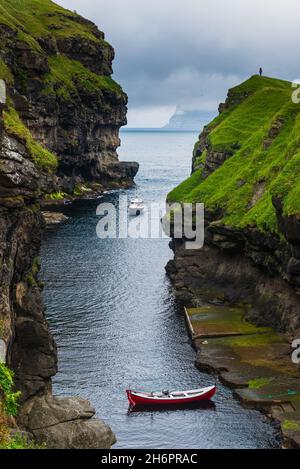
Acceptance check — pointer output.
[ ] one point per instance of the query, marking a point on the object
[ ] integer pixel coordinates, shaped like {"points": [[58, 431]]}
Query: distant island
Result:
{"points": [[189, 120], [183, 121]]}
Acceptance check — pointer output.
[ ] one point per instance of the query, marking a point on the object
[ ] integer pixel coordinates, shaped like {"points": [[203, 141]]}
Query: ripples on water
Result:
{"points": [[112, 312]]}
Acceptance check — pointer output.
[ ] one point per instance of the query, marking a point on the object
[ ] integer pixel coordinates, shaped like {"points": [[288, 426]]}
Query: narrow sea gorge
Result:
{"points": [[112, 311]]}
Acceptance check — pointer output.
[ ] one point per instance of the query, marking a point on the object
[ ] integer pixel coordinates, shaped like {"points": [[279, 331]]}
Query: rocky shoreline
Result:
{"points": [[241, 290], [230, 330], [54, 218]]}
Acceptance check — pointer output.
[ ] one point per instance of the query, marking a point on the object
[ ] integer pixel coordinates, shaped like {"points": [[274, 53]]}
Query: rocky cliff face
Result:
{"points": [[58, 68], [60, 114], [26, 344], [245, 170]]}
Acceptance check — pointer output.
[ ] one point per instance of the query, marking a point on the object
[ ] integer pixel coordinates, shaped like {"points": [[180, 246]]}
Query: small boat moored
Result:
{"points": [[168, 398], [136, 207]]}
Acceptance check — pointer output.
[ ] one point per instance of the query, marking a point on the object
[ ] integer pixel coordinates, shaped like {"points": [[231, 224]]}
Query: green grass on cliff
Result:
{"points": [[5, 73], [9, 405], [34, 19], [67, 79], [70, 76], [261, 166], [10, 398], [42, 157], [37, 18]]}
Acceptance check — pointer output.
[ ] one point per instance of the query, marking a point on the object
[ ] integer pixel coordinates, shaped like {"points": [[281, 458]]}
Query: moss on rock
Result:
{"points": [[258, 383], [5, 73], [14, 126], [9, 407], [67, 77], [36, 18], [56, 196]]}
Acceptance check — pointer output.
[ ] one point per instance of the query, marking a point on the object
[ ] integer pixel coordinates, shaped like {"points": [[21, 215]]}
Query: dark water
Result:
{"points": [[111, 309]]}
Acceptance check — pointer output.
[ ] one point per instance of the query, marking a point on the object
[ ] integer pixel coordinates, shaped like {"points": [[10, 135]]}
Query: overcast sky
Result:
{"points": [[185, 54]]}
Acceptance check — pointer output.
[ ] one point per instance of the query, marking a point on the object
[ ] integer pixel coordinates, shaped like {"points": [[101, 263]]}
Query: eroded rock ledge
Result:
{"points": [[68, 421], [232, 307], [223, 275]]}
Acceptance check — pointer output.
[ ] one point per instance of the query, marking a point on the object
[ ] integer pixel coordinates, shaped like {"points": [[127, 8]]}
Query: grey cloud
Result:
{"points": [[187, 53]]}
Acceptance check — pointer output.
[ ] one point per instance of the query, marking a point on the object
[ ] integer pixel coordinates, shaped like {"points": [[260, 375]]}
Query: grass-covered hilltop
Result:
{"points": [[246, 170], [249, 157], [62, 100], [42, 26]]}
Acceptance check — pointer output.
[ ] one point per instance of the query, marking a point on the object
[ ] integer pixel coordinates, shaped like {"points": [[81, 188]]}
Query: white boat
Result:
{"points": [[136, 207]]}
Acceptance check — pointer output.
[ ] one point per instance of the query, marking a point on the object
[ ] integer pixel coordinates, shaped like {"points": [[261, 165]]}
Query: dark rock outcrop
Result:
{"points": [[67, 421], [244, 265], [26, 343], [61, 86], [213, 275]]}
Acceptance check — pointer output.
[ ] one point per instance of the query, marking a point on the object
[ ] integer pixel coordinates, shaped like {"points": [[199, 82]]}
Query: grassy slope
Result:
{"points": [[37, 18], [246, 127], [66, 75], [32, 19]]}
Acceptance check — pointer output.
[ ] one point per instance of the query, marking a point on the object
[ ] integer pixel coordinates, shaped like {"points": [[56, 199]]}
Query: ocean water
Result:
{"points": [[112, 311]]}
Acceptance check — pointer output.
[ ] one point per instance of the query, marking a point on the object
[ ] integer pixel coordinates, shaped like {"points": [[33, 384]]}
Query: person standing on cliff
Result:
{"points": [[260, 71]]}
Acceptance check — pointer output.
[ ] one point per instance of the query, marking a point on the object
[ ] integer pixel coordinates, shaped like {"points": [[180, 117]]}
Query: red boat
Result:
{"points": [[168, 398]]}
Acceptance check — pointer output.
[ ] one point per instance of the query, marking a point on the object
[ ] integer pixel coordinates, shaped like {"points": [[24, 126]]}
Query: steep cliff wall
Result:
{"points": [[246, 171], [26, 344], [60, 114], [58, 69]]}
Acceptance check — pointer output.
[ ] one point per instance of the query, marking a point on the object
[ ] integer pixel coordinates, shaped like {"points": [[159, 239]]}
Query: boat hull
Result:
{"points": [[136, 398]]}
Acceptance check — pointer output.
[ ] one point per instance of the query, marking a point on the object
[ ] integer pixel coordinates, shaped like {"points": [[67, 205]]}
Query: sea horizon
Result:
{"points": [[158, 129]]}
